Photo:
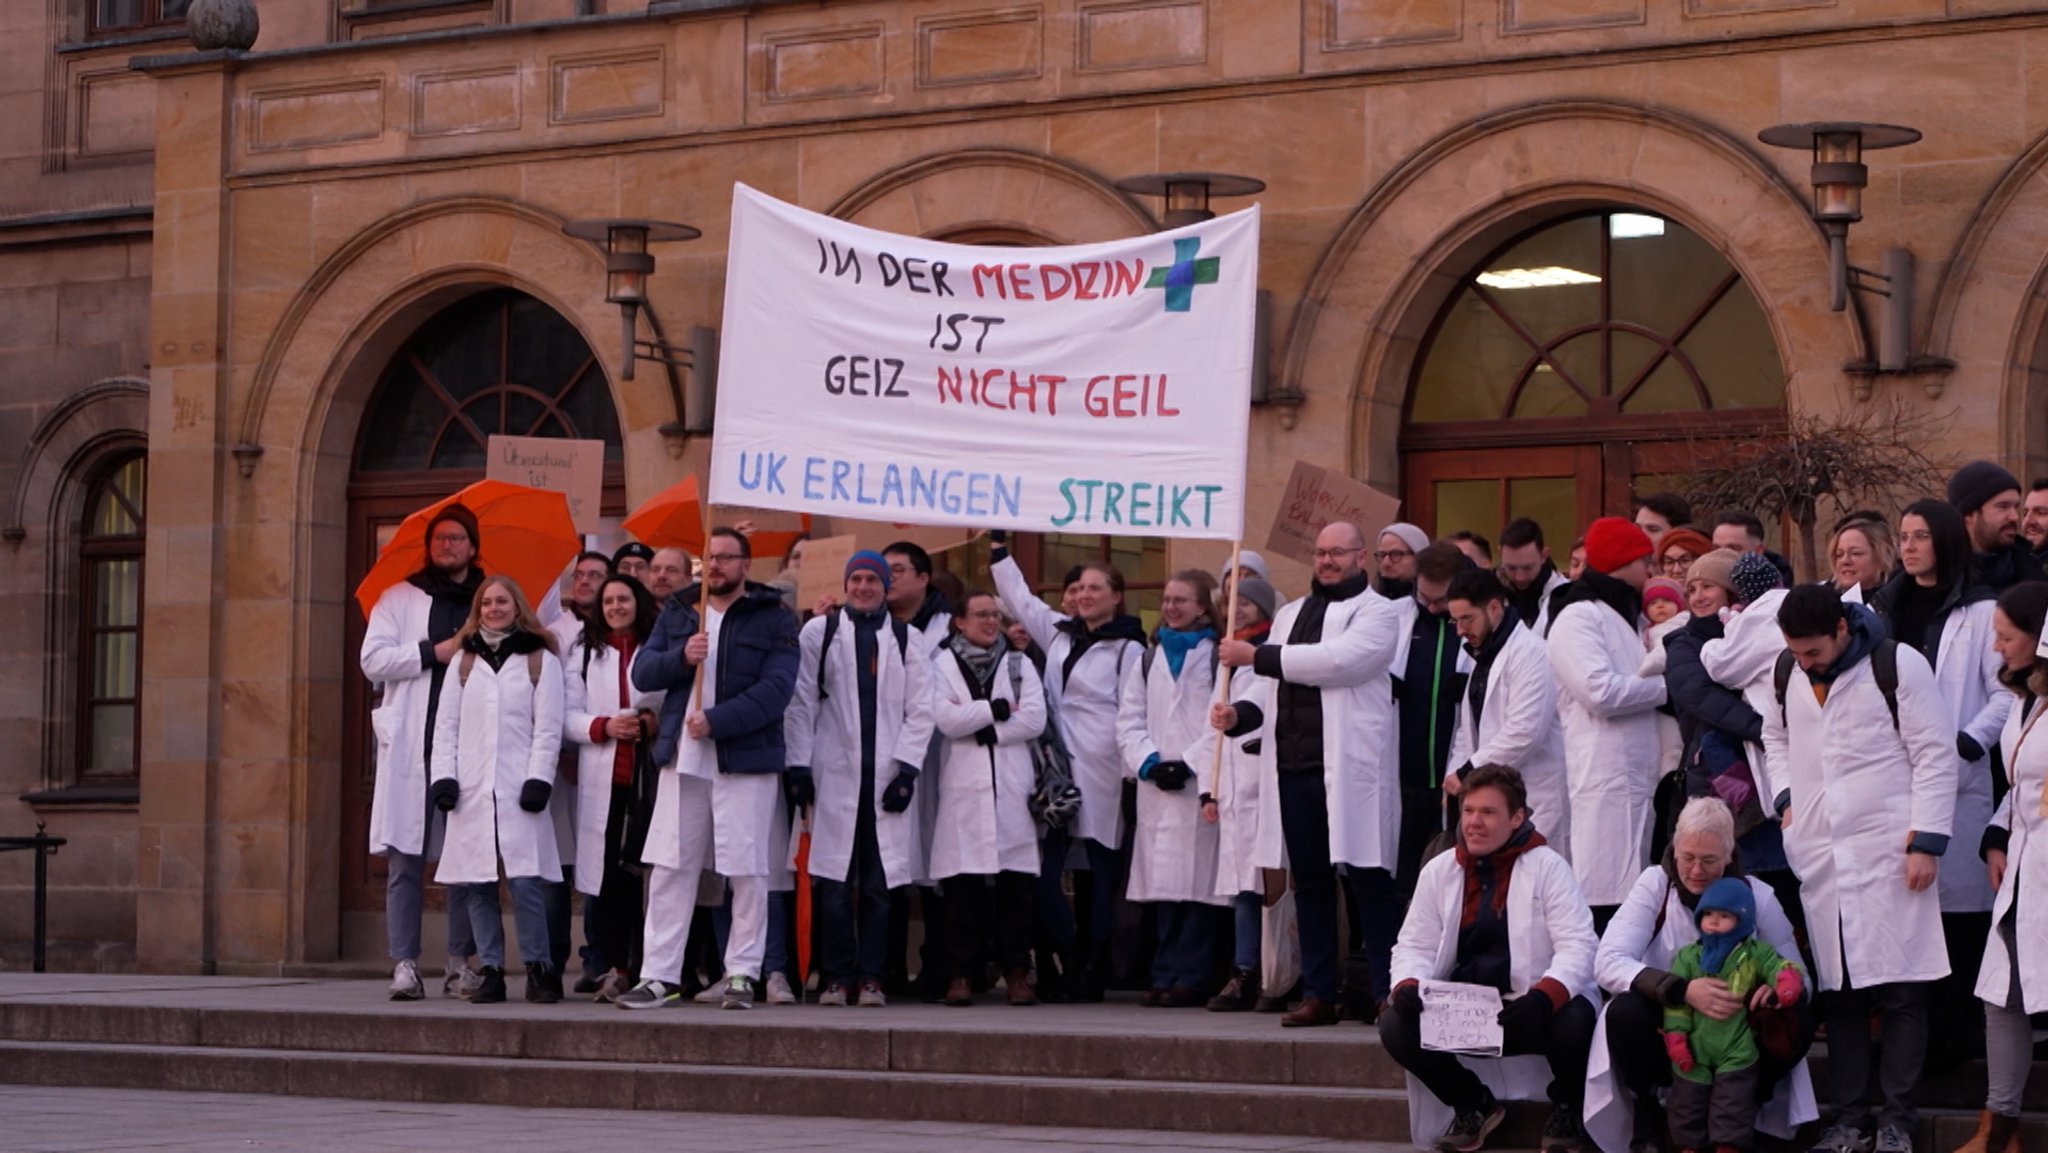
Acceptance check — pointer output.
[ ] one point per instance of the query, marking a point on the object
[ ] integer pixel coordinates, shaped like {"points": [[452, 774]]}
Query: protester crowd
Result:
{"points": [[1678, 810]]}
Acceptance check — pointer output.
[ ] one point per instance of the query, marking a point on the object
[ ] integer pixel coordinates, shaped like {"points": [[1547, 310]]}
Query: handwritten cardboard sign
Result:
{"points": [[574, 468], [1314, 498], [880, 534], [823, 573], [1460, 1018]]}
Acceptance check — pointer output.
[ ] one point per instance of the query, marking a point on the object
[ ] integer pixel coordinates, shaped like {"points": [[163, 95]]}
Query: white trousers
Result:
{"points": [[672, 902]]}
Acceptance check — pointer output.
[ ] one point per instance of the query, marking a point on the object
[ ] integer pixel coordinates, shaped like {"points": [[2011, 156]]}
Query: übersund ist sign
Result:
{"points": [[1096, 388]]}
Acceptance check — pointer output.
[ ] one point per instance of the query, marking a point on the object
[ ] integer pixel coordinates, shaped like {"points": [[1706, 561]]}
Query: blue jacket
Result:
{"points": [[757, 662]]}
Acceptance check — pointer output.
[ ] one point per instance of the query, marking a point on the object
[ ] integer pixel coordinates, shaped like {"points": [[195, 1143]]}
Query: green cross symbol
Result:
{"points": [[1180, 277]]}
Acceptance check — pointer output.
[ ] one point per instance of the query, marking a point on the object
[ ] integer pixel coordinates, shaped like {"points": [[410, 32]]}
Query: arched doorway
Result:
{"points": [[498, 362], [1588, 359]]}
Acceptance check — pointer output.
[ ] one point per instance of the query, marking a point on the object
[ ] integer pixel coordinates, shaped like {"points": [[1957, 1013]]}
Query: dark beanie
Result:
{"points": [[1974, 484], [461, 515], [635, 549], [868, 560]]}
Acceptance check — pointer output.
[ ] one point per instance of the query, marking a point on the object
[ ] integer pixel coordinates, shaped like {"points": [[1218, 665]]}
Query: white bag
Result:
{"points": [[1280, 948]]}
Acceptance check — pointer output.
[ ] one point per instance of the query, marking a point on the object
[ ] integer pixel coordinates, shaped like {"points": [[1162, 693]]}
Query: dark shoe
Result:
{"points": [[1650, 1126], [1090, 976], [1469, 1129], [1182, 997], [1152, 998], [588, 982], [1563, 1133], [958, 993], [491, 990], [1312, 1012], [1239, 994], [1051, 986], [1017, 987], [1359, 1006], [2004, 1135], [1270, 1002], [540, 984]]}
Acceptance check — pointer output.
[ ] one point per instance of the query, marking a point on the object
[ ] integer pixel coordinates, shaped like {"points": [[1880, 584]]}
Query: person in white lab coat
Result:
{"points": [[1163, 731], [497, 734], [1086, 654], [1867, 808], [1509, 712], [1503, 911], [856, 734], [1609, 711], [2013, 980], [576, 611], [988, 704], [1231, 802], [1527, 573]]}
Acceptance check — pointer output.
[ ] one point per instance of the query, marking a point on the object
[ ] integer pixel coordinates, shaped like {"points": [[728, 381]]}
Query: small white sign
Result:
{"points": [[1459, 1018]]}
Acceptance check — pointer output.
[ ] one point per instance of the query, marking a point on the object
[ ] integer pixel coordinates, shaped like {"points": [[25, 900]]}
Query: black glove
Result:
{"points": [[998, 544], [1408, 999], [896, 797], [799, 787], [985, 736], [534, 794], [999, 709], [1172, 776], [1530, 1011], [1968, 746], [444, 793]]}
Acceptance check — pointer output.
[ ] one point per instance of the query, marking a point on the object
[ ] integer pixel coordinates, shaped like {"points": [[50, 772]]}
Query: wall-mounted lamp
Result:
{"points": [[1839, 176], [627, 265]]}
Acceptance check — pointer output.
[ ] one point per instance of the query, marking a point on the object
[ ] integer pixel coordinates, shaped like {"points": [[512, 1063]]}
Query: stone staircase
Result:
{"points": [[1112, 1066]]}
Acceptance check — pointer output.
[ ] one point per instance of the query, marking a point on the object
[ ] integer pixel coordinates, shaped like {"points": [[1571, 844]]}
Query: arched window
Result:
{"points": [[1579, 363], [110, 644]]}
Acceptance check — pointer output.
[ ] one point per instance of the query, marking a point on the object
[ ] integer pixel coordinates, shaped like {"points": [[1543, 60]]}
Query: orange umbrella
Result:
{"points": [[675, 518], [527, 535]]}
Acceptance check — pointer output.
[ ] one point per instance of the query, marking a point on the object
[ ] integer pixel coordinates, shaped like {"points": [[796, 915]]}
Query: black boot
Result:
{"points": [[1052, 977], [1094, 972], [543, 984], [491, 990], [1239, 994]]}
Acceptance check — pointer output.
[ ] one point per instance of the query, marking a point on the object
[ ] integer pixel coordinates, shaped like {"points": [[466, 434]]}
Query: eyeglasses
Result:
{"points": [[1391, 554], [451, 538], [1335, 553], [986, 615], [1678, 562]]}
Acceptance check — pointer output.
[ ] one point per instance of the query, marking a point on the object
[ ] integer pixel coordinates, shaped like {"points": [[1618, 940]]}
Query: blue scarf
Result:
{"points": [[1727, 895], [1178, 643]]}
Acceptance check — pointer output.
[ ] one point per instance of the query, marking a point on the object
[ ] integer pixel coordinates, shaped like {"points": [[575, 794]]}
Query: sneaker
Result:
{"points": [[739, 993], [834, 995], [610, 987], [1470, 1127], [1563, 1133], [459, 980], [1893, 1139], [1844, 1139], [405, 982], [1239, 994], [713, 994], [490, 986], [779, 992], [543, 984], [871, 995], [650, 995]]}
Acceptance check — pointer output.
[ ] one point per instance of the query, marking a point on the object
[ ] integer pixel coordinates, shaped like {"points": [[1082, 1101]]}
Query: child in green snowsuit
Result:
{"points": [[1713, 1095]]}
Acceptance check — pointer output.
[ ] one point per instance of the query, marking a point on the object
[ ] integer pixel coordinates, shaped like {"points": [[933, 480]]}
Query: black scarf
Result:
{"points": [[1119, 628], [1601, 588], [1482, 666], [517, 643], [435, 583], [1528, 602]]}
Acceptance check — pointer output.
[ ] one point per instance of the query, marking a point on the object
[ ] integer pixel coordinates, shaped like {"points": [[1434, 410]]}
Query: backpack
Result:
{"points": [[468, 662], [1884, 667], [1054, 797], [832, 626]]}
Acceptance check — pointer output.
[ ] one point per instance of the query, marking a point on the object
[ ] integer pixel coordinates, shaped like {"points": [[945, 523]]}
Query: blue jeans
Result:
{"points": [[856, 941], [404, 873], [1247, 911], [486, 919], [1055, 914], [1187, 945]]}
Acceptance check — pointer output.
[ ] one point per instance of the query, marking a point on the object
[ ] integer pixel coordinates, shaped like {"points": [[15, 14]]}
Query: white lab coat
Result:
{"points": [[1237, 793], [1858, 790], [1634, 941], [564, 808], [936, 631], [1670, 739], [590, 692], [1551, 584], [983, 823], [1745, 658], [2026, 864], [491, 736], [1551, 933], [1610, 743], [1519, 728], [1361, 758], [825, 736], [1173, 850], [1084, 707], [1966, 667], [391, 661]]}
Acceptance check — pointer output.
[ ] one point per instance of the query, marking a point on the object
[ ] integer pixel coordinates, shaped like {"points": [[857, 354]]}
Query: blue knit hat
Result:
{"points": [[868, 560], [1727, 895]]}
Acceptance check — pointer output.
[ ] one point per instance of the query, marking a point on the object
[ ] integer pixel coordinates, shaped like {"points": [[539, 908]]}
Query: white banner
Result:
{"points": [[1097, 388]]}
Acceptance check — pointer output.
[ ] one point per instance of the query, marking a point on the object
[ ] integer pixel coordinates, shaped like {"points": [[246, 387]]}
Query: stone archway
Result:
{"points": [[994, 191], [1382, 281]]}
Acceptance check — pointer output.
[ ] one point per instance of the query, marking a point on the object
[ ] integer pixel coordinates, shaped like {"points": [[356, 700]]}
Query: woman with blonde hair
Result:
{"points": [[1861, 554], [496, 736]]}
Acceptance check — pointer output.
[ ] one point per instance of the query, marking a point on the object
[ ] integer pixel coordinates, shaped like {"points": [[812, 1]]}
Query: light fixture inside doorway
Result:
{"points": [[1839, 177], [627, 265]]}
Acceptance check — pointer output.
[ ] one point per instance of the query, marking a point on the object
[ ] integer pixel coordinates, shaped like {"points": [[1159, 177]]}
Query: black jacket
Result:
{"points": [[757, 663], [1699, 700]]}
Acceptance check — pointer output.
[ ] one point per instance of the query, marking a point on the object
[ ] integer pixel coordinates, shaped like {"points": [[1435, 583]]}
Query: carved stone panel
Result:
{"points": [[315, 115], [1123, 36], [981, 48], [458, 103], [1562, 15], [818, 64], [624, 85], [1355, 24]]}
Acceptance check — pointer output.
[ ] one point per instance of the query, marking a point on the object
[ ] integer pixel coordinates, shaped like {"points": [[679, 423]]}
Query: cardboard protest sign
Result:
{"points": [[1460, 1018], [1095, 388], [1314, 498], [878, 535], [574, 468], [823, 572]]}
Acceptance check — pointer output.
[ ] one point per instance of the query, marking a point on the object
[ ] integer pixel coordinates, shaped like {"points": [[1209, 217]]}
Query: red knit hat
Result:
{"points": [[1613, 542]]}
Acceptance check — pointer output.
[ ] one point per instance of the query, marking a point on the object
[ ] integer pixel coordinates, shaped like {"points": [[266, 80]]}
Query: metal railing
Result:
{"points": [[42, 844]]}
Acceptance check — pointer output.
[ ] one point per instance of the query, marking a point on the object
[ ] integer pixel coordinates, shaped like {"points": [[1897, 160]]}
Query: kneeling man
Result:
{"points": [[1504, 910]]}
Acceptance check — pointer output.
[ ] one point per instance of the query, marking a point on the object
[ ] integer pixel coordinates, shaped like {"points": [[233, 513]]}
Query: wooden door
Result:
{"points": [[1558, 486]]}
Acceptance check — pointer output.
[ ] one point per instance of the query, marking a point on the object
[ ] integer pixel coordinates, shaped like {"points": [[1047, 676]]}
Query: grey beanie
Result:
{"points": [[1413, 537], [1257, 591], [1974, 484]]}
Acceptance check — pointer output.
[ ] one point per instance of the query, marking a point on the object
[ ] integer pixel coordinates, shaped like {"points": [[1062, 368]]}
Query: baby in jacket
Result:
{"points": [[1712, 1104]]}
